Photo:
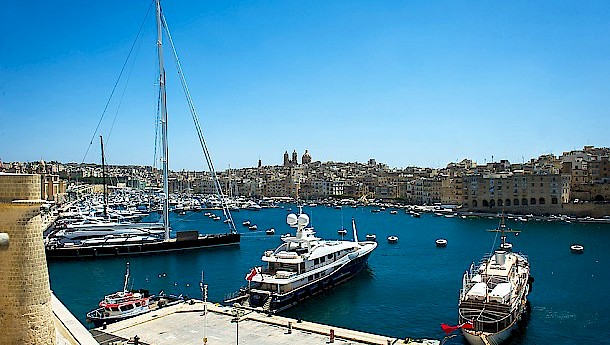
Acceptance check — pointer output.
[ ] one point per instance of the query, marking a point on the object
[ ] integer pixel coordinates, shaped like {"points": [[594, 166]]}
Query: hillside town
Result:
{"points": [[578, 181]]}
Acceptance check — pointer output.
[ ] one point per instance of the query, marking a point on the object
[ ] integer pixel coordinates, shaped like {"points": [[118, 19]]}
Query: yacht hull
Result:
{"points": [[486, 338], [280, 302], [80, 252]]}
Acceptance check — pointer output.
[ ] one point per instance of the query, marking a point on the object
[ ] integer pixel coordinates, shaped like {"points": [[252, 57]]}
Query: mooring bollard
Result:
{"points": [[332, 336], [136, 340], [389, 342], [289, 327]]}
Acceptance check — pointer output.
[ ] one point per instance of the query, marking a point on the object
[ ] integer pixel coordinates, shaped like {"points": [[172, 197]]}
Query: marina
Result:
{"points": [[407, 290]]}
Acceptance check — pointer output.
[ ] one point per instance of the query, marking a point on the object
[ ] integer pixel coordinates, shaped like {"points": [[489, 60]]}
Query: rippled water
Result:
{"points": [[408, 289]]}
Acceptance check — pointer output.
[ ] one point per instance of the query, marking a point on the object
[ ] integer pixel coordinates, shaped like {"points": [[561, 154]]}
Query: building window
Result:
{"points": [[492, 203], [516, 202], [507, 202], [541, 201], [554, 201], [533, 201], [524, 202], [485, 203], [500, 203], [474, 203]]}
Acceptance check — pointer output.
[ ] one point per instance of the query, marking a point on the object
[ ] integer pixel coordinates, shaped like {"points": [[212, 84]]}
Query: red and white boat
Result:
{"points": [[127, 303]]}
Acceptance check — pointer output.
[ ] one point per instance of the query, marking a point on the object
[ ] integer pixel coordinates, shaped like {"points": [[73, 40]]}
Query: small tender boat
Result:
{"points": [[392, 239], [393, 212], [577, 248], [246, 223], [270, 231], [128, 303], [371, 237], [253, 227], [441, 242], [416, 214]]}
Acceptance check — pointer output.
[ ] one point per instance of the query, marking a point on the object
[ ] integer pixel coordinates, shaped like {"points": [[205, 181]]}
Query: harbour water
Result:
{"points": [[408, 289]]}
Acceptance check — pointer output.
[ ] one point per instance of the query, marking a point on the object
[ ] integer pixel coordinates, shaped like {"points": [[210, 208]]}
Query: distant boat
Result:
{"points": [[246, 223], [392, 239], [441, 242], [270, 231], [253, 227], [371, 237]]}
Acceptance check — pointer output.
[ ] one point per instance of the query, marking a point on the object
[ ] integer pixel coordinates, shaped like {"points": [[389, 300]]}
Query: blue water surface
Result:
{"points": [[408, 289]]}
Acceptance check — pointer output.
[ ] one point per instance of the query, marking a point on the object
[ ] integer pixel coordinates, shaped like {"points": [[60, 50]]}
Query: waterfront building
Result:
{"points": [[513, 192]]}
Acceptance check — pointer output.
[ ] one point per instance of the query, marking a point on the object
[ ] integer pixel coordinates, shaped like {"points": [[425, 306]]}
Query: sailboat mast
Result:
{"points": [[104, 179], [163, 122]]}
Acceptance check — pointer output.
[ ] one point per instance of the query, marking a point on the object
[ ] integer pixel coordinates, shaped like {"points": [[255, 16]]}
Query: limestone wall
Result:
{"points": [[25, 296]]}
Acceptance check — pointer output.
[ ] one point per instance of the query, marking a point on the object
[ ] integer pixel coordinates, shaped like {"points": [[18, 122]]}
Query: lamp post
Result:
{"points": [[237, 314]]}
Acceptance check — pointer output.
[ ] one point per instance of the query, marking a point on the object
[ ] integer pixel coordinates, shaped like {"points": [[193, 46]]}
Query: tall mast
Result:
{"points": [[163, 122], [104, 179]]}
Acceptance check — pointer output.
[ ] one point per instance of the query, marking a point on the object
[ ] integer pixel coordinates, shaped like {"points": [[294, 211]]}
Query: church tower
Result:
{"points": [[306, 158], [286, 159], [295, 158]]}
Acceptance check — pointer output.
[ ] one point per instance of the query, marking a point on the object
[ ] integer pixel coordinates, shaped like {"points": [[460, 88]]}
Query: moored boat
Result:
{"points": [[128, 303], [493, 298], [303, 266]]}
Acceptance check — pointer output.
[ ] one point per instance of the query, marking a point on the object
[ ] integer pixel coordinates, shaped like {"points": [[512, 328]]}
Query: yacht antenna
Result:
{"points": [[164, 149], [126, 278]]}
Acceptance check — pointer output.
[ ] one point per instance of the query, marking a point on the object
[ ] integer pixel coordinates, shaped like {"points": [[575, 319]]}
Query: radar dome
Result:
{"points": [[291, 219], [303, 219]]}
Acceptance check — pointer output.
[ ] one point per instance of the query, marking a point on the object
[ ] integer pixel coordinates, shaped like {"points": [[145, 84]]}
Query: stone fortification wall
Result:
{"points": [[25, 295]]}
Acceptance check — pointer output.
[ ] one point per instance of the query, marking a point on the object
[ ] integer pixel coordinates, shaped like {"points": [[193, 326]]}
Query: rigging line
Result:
{"points": [[116, 83], [133, 62], [206, 152]]}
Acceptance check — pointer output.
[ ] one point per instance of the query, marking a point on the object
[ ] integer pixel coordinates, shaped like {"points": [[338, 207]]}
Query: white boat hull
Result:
{"points": [[486, 338]]}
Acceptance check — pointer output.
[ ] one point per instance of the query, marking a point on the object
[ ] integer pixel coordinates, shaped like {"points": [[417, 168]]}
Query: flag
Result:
{"points": [[252, 274], [448, 329]]}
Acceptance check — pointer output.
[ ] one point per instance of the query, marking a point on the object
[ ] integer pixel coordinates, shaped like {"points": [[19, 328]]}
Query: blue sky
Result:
{"points": [[405, 82]]}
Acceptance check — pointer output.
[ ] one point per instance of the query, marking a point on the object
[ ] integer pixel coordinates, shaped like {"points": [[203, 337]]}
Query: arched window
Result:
{"points": [[492, 203], [516, 202], [554, 201], [533, 201], [524, 202], [500, 203], [485, 203], [507, 202], [474, 203], [541, 201]]}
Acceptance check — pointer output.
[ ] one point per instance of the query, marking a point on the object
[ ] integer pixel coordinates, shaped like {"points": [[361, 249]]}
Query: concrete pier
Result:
{"points": [[186, 324]]}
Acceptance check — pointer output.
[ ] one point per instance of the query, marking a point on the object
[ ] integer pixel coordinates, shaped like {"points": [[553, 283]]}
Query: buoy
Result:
{"points": [[577, 248], [441, 242]]}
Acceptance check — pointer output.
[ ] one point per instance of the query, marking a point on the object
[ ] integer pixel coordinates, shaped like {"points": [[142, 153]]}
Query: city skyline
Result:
{"points": [[408, 84]]}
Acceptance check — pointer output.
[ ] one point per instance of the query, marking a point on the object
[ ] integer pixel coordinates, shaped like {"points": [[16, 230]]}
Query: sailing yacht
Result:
{"points": [[135, 244]]}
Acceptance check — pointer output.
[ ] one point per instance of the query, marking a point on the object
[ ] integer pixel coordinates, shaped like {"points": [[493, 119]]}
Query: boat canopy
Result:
{"points": [[477, 292]]}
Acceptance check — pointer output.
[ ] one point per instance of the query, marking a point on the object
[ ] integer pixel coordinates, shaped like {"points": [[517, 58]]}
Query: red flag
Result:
{"points": [[252, 274], [448, 329]]}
